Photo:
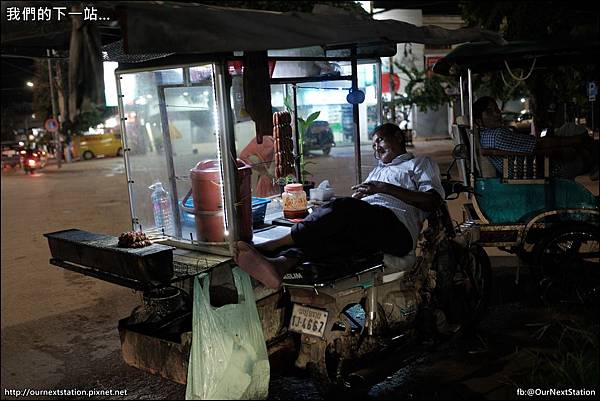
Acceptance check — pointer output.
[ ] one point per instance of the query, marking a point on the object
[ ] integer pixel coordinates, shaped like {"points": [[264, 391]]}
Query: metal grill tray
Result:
{"points": [[98, 255]]}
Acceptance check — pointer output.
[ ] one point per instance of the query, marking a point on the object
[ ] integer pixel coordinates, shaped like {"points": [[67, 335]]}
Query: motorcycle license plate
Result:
{"points": [[308, 320]]}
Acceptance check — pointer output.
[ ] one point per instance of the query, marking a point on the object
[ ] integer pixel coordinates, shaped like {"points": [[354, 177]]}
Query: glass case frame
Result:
{"points": [[225, 138]]}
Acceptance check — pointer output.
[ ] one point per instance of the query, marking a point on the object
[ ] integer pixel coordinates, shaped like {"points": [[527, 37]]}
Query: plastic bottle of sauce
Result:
{"points": [[294, 202]]}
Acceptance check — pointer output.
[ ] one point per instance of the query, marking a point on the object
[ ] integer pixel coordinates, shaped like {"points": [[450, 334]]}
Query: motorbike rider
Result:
{"points": [[385, 214]]}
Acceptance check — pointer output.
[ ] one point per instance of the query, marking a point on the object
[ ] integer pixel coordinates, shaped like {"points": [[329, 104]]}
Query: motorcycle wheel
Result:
{"points": [[463, 283], [327, 150], [479, 280], [328, 373]]}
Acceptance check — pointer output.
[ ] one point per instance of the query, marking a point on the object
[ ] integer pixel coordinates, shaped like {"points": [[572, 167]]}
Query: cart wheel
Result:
{"points": [[567, 264]]}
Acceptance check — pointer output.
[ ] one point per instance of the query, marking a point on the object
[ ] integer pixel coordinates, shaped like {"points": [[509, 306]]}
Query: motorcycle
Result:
{"points": [[33, 160], [319, 136], [350, 325]]}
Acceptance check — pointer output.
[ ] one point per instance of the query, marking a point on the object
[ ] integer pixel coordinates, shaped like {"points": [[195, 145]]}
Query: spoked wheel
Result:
{"points": [[567, 265]]}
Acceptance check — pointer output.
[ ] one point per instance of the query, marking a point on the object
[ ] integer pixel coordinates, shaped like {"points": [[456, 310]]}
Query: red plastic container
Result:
{"points": [[208, 204]]}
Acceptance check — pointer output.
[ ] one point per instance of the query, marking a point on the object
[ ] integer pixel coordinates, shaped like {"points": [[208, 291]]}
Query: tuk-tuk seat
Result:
{"points": [[525, 167], [460, 132], [333, 271]]}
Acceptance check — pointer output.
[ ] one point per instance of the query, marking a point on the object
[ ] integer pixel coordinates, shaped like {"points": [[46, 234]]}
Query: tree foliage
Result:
{"points": [[544, 21], [425, 90], [90, 115]]}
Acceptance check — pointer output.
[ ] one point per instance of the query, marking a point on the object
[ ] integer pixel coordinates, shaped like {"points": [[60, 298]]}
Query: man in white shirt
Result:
{"points": [[385, 214]]}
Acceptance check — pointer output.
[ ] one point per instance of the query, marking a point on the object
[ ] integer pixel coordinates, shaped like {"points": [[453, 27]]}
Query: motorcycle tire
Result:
{"points": [[462, 294]]}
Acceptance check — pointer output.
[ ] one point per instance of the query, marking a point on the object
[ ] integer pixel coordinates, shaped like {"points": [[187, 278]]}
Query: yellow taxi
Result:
{"points": [[90, 146]]}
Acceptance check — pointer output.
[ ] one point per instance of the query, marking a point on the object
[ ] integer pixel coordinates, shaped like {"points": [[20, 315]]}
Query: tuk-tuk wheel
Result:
{"points": [[567, 264]]}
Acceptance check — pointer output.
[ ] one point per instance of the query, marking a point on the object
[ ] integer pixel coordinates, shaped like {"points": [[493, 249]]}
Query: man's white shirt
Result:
{"points": [[418, 173]]}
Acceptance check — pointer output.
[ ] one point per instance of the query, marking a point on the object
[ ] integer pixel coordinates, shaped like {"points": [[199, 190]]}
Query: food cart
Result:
{"points": [[186, 113]]}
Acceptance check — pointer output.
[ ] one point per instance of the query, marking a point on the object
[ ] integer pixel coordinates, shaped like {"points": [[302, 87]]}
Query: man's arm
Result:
{"points": [[558, 142], [427, 201]]}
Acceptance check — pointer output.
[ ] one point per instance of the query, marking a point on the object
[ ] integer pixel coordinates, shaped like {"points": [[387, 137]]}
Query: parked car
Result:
{"points": [[10, 155], [90, 146], [319, 136]]}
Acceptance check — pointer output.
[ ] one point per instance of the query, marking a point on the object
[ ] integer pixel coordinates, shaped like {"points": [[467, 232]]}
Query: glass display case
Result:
{"points": [[171, 124], [179, 121]]}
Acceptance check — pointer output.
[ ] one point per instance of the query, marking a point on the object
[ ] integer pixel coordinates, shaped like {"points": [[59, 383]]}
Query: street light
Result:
{"points": [[30, 84]]}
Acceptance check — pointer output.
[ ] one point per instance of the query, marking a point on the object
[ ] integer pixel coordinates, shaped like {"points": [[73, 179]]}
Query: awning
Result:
{"points": [[197, 28], [160, 28], [485, 56]]}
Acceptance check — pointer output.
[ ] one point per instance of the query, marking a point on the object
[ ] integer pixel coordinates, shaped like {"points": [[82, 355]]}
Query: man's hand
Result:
{"points": [[370, 188], [427, 201]]}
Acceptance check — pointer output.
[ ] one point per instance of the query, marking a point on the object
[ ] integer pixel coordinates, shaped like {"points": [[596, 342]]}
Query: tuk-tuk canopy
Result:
{"points": [[198, 28], [486, 56]]}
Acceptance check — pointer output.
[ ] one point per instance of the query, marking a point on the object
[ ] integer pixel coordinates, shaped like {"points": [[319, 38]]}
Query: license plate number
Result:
{"points": [[308, 320]]}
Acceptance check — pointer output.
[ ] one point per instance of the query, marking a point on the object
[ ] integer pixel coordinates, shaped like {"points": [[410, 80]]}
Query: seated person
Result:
{"points": [[385, 214], [571, 155]]}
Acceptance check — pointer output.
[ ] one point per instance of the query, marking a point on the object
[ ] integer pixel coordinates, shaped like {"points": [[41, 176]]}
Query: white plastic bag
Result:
{"points": [[228, 357]]}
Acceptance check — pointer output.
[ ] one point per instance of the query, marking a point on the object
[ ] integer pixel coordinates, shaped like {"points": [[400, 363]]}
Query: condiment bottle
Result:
{"points": [[294, 202]]}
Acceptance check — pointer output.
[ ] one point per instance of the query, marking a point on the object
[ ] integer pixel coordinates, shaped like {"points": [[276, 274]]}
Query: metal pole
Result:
{"points": [[392, 90], [379, 90], [126, 150], [168, 149], [57, 153], [299, 146], [472, 138], [357, 154], [226, 138], [462, 96]]}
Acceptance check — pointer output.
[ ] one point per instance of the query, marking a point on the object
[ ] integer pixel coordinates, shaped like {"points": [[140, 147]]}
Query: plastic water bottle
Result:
{"points": [[161, 204]]}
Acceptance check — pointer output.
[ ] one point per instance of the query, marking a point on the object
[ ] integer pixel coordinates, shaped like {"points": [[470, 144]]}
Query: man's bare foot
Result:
{"points": [[258, 266]]}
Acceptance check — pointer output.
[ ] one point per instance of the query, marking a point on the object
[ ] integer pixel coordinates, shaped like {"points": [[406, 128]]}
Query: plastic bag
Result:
{"points": [[228, 357]]}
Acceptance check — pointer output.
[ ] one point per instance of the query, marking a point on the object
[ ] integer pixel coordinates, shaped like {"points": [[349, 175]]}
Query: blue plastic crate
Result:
{"points": [[259, 209], [188, 218]]}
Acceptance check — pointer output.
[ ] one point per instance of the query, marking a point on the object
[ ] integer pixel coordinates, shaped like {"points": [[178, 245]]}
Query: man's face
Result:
{"points": [[386, 149], [491, 116]]}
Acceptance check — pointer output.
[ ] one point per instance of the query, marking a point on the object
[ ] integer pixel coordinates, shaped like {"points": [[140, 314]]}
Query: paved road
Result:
{"points": [[59, 328]]}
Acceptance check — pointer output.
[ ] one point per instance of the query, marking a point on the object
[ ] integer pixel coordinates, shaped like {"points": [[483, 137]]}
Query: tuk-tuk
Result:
{"points": [[552, 224]]}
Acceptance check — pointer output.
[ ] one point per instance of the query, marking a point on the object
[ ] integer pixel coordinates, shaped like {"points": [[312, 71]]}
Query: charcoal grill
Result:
{"points": [[98, 255]]}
